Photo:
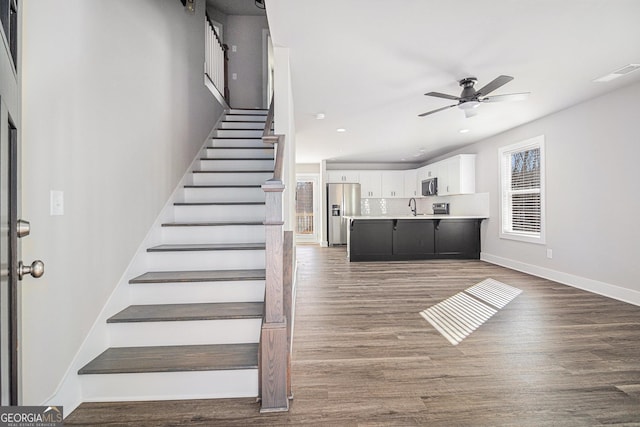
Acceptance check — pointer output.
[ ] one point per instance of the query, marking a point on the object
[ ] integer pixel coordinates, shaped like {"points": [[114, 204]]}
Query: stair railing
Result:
{"points": [[216, 59], [275, 340]]}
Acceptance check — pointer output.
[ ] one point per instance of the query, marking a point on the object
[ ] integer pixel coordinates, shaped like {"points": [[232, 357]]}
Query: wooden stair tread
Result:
{"points": [[189, 312], [199, 276], [259, 129], [207, 247], [211, 223], [240, 121], [237, 171], [266, 147], [236, 137], [223, 186], [180, 358], [217, 203], [236, 158]]}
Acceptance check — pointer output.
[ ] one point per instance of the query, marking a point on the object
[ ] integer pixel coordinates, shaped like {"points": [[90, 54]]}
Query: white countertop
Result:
{"points": [[419, 216]]}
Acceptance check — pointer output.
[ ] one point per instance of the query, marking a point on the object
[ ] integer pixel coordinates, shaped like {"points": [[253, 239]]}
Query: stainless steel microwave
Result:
{"points": [[430, 187]]}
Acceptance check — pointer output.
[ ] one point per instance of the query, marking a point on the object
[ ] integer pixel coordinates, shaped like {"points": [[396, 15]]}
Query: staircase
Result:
{"points": [[194, 325]]}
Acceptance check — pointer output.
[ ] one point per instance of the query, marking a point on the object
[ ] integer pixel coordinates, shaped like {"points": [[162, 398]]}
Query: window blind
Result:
{"points": [[522, 190]]}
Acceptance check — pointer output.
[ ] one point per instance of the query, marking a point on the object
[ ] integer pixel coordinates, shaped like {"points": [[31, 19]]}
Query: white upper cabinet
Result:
{"points": [[343, 176], [457, 175], [371, 184], [393, 184], [411, 183]]}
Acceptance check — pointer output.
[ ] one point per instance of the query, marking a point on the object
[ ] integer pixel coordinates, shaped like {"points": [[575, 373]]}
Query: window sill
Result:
{"points": [[539, 240]]}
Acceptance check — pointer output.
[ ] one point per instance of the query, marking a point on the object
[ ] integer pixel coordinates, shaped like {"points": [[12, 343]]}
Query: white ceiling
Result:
{"points": [[366, 65]]}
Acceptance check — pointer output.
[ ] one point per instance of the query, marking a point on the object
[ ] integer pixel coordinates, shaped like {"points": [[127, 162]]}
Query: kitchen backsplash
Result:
{"points": [[463, 204]]}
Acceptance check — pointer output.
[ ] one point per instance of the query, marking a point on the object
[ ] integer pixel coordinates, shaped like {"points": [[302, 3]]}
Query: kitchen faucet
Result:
{"points": [[414, 210]]}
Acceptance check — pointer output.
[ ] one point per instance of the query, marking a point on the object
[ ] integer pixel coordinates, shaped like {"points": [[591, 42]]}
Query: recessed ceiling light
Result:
{"points": [[463, 130], [617, 73], [320, 116], [341, 130]]}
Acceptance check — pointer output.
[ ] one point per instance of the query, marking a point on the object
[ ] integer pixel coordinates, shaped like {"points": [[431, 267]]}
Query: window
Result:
{"points": [[522, 191]]}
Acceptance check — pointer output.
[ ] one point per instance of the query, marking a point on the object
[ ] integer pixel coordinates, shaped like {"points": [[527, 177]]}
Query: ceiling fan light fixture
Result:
{"points": [[468, 105]]}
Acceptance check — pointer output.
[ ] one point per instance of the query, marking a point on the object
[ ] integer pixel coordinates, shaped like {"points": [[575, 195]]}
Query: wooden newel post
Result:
{"points": [[274, 338]]}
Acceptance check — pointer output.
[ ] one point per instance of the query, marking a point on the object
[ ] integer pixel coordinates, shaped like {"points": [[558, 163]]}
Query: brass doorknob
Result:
{"points": [[36, 269]]}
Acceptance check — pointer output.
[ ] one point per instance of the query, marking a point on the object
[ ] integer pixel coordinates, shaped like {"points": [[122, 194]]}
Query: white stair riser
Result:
{"points": [[239, 133], [219, 213], [199, 332], [170, 385], [234, 142], [257, 178], [206, 260], [239, 153], [244, 118], [205, 194], [184, 293], [248, 111], [241, 125], [236, 165], [214, 234]]}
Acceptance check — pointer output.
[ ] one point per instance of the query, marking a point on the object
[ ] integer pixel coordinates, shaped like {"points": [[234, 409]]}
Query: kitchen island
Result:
{"points": [[398, 238]]}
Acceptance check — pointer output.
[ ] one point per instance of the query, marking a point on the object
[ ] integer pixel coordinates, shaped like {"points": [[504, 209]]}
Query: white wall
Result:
{"points": [[245, 32], [114, 110], [592, 201]]}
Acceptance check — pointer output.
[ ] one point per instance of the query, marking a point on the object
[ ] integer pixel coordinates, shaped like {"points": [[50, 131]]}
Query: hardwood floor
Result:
{"points": [[554, 356]]}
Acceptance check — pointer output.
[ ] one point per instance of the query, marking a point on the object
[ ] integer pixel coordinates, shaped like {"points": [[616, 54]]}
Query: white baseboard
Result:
{"points": [[601, 288]]}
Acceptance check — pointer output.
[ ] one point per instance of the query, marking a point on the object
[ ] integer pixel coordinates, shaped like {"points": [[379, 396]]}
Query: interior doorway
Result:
{"points": [[307, 209]]}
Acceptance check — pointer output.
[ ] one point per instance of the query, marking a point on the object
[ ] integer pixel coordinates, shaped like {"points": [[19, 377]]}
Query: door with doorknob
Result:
{"points": [[12, 228]]}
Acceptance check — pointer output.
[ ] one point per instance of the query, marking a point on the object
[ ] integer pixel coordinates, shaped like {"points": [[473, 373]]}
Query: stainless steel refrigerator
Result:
{"points": [[342, 200]]}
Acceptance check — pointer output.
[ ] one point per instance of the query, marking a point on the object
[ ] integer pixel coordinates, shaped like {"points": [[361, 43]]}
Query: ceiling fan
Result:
{"points": [[470, 98]]}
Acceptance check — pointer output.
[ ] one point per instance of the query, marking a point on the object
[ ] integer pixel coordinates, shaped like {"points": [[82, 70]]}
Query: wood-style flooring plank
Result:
{"points": [[363, 356]]}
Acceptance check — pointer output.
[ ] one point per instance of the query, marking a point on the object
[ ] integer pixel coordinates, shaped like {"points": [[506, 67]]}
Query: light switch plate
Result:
{"points": [[56, 202]]}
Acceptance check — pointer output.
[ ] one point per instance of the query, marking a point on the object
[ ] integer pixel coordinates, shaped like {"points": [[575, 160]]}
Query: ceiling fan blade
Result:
{"points": [[507, 97], [442, 95], [495, 84], [435, 111]]}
